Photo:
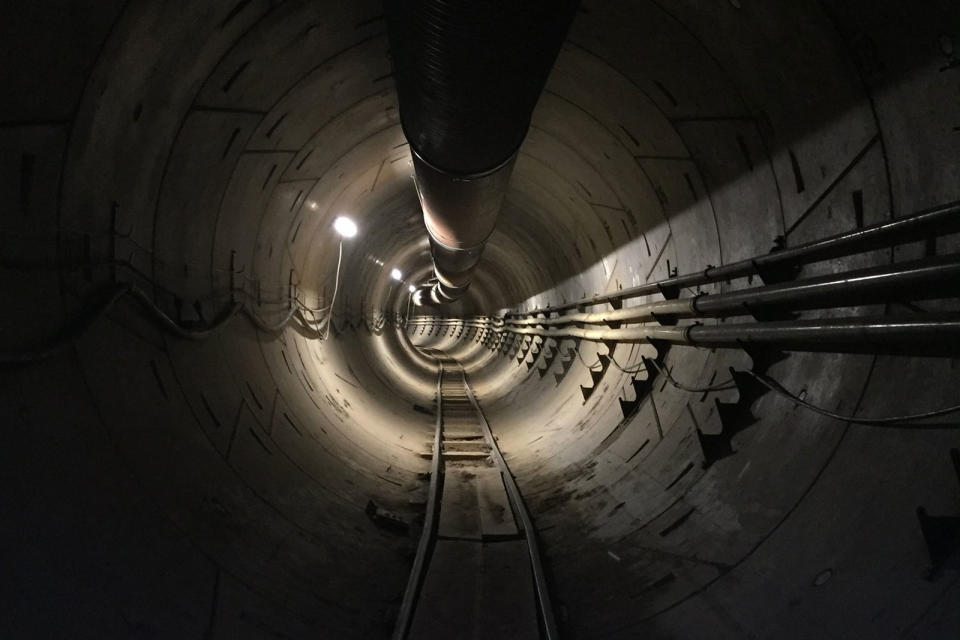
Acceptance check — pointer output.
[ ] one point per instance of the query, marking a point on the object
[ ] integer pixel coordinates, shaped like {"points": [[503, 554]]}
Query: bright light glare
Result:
{"points": [[411, 288], [395, 274], [345, 227]]}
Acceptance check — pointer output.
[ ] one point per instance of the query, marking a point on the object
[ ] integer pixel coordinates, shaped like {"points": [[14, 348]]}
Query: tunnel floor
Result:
{"points": [[478, 581]]}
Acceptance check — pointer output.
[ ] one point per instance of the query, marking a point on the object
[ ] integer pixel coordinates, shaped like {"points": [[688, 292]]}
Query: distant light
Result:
{"points": [[395, 274], [411, 288], [345, 227]]}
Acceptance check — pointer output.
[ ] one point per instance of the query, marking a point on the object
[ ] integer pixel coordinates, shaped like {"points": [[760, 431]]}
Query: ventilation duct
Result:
{"points": [[468, 76]]}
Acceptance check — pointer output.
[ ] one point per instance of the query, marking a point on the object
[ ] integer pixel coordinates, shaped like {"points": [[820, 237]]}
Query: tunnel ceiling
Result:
{"points": [[180, 484]]}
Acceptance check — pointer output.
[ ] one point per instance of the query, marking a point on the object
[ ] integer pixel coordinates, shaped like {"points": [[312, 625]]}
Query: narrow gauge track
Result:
{"points": [[477, 573]]}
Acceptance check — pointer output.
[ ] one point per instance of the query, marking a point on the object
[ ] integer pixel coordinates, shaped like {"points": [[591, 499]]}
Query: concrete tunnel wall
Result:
{"points": [[155, 486]]}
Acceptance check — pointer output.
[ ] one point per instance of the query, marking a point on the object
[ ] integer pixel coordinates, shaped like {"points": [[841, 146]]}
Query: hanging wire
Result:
{"points": [[316, 319], [631, 372], [775, 386], [588, 366], [78, 327], [191, 332], [160, 263], [720, 386], [336, 286]]}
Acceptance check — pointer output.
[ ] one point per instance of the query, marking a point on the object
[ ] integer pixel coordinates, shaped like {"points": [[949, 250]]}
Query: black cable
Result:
{"points": [[13, 265], [272, 328], [631, 372], [175, 327], [720, 386], [117, 292], [775, 386], [298, 307], [584, 362]]}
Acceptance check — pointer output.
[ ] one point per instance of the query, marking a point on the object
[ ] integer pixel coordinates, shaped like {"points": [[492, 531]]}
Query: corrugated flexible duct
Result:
{"points": [[468, 75]]}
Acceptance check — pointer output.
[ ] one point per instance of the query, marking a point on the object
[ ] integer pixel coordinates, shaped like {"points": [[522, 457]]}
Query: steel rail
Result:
{"points": [[415, 581], [539, 577], [938, 221]]}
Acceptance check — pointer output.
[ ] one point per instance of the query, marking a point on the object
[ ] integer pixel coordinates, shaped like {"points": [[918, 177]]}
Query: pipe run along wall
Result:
{"points": [[155, 486]]}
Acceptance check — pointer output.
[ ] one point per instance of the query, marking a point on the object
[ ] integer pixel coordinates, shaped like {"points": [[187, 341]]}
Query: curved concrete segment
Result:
{"points": [[260, 481]]}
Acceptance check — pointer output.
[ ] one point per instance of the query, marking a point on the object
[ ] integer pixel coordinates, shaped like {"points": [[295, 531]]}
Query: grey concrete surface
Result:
{"points": [[169, 488]]}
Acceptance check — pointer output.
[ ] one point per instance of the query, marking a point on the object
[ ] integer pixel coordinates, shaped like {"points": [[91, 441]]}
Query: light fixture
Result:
{"points": [[345, 226], [395, 274], [411, 288]]}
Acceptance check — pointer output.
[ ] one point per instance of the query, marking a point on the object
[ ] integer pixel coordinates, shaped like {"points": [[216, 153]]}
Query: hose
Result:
{"points": [[720, 386], [776, 387]]}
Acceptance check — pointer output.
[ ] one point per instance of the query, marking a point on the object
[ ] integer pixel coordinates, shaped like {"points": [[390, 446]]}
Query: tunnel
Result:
{"points": [[218, 412]]}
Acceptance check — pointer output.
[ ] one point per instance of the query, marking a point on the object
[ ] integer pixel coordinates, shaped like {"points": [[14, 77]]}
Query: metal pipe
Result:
{"points": [[919, 280], [459, 213], [839, 335], [936, 221], [932, 334], [937, 277]]}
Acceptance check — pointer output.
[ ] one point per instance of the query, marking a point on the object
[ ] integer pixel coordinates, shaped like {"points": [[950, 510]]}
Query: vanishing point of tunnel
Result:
{"points": [[610, 319]]}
